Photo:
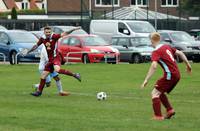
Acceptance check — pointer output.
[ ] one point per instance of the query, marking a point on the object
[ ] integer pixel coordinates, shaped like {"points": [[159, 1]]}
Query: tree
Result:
{"points": [[191, 7], [14, 14]]}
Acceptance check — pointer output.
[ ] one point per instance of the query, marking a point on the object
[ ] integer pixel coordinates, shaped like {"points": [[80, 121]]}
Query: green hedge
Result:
{"points": [[3, 15]]}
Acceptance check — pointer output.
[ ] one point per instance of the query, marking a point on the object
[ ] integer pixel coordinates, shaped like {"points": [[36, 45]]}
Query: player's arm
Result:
{"points": [[185, 60], [33, 48], [150, 73], [40, 41], [70, 31]]}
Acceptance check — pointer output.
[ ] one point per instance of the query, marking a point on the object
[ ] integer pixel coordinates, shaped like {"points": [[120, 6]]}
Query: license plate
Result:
{"points": [[109, 56]]}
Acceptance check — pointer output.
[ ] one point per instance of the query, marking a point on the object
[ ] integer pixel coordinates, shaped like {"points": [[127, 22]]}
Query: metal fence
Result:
{"points": [[169, 24]]}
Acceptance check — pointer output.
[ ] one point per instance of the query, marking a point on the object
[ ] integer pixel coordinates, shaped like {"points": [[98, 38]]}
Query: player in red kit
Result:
{"points": [[164, 56], [49, 40]]}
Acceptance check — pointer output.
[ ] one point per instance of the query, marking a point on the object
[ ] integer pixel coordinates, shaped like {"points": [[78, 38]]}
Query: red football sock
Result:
{"points": [[165, 101], [42, 84], [66, 72], [157, 106]]}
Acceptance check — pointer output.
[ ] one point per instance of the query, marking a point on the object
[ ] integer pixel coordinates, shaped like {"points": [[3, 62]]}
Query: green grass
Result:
{"points": [[128, 108]]}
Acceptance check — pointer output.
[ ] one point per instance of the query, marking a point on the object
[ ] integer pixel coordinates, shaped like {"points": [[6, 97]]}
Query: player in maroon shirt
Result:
{"points": [[164, 56], [50, 42]]}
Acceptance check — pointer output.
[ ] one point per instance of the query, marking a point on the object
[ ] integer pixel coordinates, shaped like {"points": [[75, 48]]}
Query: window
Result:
{"points": [[65, 41], [122, 28], [42, 5], [173, 3], [139, 2], [3, 38], [24, 5], [106, 3], [74, 41]]}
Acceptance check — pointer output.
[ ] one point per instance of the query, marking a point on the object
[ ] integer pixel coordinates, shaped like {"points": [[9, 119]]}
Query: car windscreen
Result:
{"points": [[94, 41], [181, 37], [139, 27], [23, 37], [140, 41]]}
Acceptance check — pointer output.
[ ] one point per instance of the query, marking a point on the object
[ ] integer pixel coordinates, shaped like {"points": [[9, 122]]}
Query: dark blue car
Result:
{"points": [[14, 41]]}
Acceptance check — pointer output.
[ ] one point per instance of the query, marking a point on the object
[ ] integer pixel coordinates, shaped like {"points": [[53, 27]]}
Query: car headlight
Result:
{"points": [[94, 51]]}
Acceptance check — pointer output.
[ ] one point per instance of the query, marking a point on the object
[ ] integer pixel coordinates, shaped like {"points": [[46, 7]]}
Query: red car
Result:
{"points": [[87, 49]]}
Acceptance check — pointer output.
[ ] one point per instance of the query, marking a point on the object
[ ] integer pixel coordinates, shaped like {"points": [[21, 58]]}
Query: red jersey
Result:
{"points": [[164, 55], [51, 45]]}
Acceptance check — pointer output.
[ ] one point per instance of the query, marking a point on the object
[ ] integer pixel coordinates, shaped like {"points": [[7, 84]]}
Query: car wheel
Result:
{"points": [[12, 58], [85, 59], [135, 59]]}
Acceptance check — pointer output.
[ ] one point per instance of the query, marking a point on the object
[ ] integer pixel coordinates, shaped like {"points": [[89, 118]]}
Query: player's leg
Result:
{"points": [[48, 80], [167, 105], [156, 103], [67, 72], [42, 84], [59, 84]]}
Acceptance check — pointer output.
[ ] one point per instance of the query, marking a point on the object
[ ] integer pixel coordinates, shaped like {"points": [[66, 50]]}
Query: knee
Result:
{"points": [[155, 93], [56, 78]]}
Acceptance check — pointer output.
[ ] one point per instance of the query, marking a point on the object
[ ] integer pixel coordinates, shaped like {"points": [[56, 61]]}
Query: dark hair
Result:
{"points": [[47, 28]]}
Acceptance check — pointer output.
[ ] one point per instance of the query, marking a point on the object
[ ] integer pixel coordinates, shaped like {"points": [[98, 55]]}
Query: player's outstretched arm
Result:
{"points": [[150, 73], [185, 60], [70, 31], [33, 48]]}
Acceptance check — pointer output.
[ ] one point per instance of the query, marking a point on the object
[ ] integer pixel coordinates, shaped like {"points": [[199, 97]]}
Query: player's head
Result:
{"points": [[47, 31], [155, 38]]}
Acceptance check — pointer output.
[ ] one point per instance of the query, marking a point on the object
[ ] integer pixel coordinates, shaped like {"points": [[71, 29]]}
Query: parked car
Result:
{"points": [[14, 41], [94, 49], [109, 28], [195, 33], [61, 29], [133, 49], [2, 27], [182, 41]]}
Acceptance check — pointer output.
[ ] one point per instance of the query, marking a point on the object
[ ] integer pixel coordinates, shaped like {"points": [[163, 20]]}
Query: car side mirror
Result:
{"points": [[168, 40], [125, 46], [125, 31]]}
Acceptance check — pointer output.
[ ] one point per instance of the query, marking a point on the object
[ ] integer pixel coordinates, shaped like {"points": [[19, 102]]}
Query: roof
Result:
{"points": [[10, 4], [135, 12]]}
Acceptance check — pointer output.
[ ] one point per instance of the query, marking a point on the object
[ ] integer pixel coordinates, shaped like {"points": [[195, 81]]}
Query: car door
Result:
{"points": [[64, 47], [123, 47], [4, 44], [75, 46]]}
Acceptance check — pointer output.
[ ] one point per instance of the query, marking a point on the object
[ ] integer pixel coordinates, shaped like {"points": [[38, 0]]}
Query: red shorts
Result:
{"points": [[164, 85], [50, 65]]}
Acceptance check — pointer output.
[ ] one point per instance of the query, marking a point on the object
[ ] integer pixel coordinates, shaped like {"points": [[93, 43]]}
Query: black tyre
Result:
{"points": [[135, 59], [85, 59], [12, 58]]}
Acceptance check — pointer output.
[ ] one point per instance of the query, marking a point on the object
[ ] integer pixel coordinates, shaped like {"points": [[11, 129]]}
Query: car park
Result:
{"points": [[133, 49], [182, 41], [87, 49], [12, 42]]}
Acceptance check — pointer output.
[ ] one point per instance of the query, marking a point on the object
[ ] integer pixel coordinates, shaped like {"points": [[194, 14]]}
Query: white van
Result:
{"points": [[109, 28]]}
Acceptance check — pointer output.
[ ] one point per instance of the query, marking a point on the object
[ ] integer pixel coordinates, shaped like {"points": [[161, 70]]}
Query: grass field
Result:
{"points": [[128, 108]]}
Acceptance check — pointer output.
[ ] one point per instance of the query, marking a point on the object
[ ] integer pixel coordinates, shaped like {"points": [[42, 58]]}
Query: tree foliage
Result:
{"points": [[14, 13], [191, 7]]}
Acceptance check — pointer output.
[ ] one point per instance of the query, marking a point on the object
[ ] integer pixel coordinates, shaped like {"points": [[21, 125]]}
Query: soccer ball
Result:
{"points": [[101, 96]]}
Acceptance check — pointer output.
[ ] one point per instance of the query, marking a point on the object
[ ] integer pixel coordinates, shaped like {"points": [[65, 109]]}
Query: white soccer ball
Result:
{"points": [[101, 96]]}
